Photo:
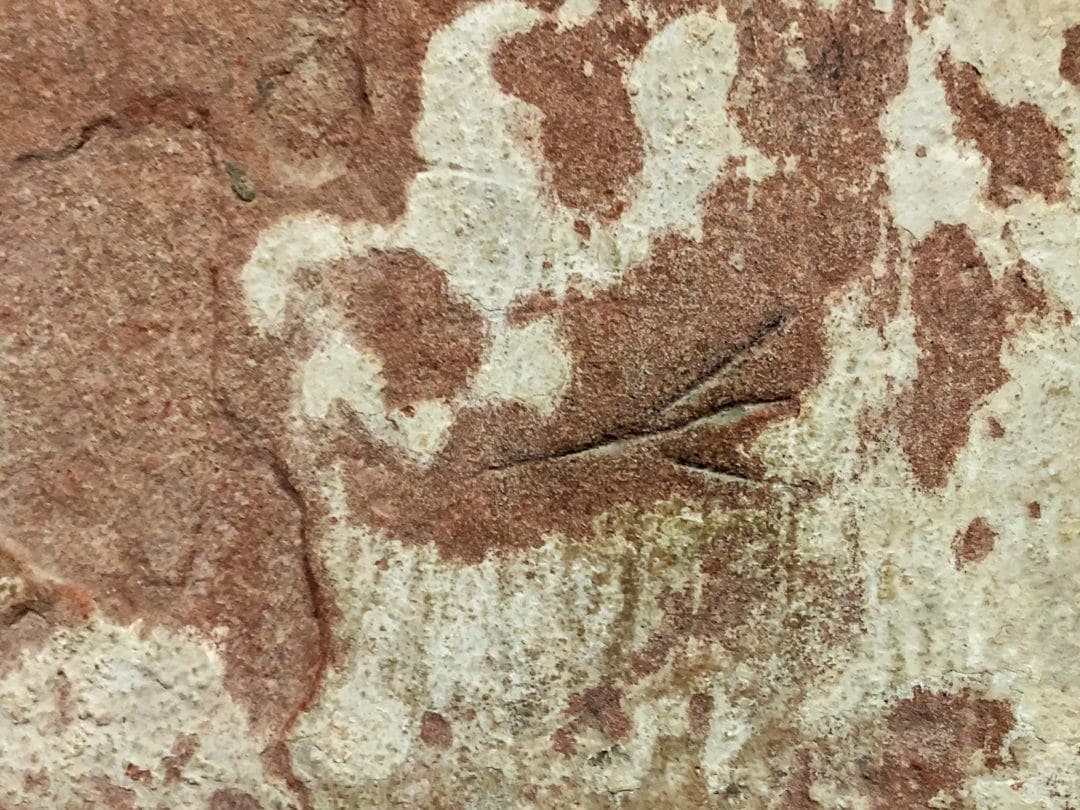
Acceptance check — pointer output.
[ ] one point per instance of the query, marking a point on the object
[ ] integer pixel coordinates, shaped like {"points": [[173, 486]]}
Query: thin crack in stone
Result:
{"points": [[69, 148], [691, 396], [319, 599], [609, 445], [714, 473]]}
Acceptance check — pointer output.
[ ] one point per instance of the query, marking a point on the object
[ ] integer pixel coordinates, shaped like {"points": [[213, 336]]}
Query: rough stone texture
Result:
{"points": [[484, 403]]}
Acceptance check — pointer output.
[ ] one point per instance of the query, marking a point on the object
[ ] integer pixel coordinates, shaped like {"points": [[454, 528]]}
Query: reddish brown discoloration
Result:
{"points": [[995, 428], [562, 742], [962, 317], [435, 731], [974, 542], [277, 759], [128, 476], [575, 78], [30, 608], [698, 712], [1070, 56], [797, 793], [685, 334], [486, 492], [531, 308], [233, 800], [733, 591], [741, 605], [689, 319], [123, 122], [885, 292], [137, 774], [601, 708], [828, 113], [598, 708], [182, 751], [100, 792], [1024, 149], [746, 568], [1034, 510], [729, 450], [316, 105], [925, 10], [930, 741], [392, 40], [428, 341], [151, 448]]}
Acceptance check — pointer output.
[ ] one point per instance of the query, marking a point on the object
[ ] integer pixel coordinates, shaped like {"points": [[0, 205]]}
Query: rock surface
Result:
{"points": [[515, 403]]}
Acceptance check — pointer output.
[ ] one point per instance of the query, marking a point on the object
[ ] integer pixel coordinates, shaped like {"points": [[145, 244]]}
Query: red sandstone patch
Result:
{"points": [[962, 317], [575, 78], [1070, 56], [150, 468], [233, 800], [930, 740], [974, 542], [699, 710], [428, 341], [435, 731], [1024, 149]]}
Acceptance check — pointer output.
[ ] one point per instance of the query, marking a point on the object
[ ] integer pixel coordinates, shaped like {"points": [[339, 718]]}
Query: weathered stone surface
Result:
{"points": [[540, 404]]}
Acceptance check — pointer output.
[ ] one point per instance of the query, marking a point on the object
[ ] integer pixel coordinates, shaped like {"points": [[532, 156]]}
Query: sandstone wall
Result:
{"points": [[515, 403]]}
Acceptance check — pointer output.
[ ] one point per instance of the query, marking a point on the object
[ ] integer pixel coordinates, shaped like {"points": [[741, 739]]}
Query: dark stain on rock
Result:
{"points": [[1024, 149], [973, 543], [241, 184], [1034, 510]]}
